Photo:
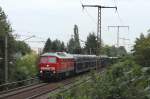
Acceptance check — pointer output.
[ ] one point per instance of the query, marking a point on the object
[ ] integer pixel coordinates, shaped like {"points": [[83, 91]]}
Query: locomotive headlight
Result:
{"points": [[47, 65], [41, 71], [54, 72]]}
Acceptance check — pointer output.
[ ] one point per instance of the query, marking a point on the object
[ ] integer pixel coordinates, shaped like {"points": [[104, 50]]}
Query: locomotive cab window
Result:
{"points": [[52, 60], [43, 60]]}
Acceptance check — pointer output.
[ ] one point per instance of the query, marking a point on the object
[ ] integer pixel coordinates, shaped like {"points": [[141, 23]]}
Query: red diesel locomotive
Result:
{"points": [[55, 64], [61, 64]]}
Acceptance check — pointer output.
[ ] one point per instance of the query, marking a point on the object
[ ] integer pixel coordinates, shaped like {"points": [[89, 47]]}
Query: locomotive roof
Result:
{"points": [[82, 56], [66, 55], [58, 54]]}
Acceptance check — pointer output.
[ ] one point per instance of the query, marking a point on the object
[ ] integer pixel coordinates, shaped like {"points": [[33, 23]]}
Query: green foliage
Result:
{"points": [[91, 44], [114, 51], [91, 47], [22, 47], [73, 45], [142, 49], [48, 45], [124, 80], [25, 67], [55, 45], [76, 39], [5, 30], [121, 51], [70, 46], [5, 27]]}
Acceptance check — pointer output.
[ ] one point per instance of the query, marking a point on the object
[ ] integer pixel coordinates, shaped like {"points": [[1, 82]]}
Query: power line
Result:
{"points": [[93, 20], [115, 2], [90, 16], [29, 38], [120, 19], [124, 39], [118, 31], [36, 41]]}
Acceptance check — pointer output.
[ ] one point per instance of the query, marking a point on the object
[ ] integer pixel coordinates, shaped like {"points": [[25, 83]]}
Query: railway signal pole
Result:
{"points": [[98, 24], [118, 31]]}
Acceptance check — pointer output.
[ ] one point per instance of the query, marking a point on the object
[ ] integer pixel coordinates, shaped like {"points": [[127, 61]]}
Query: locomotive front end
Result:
{"points": [[47, 66]]}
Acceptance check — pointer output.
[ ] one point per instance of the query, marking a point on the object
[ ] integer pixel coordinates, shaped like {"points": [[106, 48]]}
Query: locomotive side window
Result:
{"points": [[52, 60], [43, 60]]}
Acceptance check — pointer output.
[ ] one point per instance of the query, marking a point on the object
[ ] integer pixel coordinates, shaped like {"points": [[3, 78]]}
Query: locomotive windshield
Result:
{"points": [[52, 59]]}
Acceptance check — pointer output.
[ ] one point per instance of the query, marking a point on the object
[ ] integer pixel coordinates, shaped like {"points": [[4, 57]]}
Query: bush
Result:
{"points": [[25, 67], [124, 80]]}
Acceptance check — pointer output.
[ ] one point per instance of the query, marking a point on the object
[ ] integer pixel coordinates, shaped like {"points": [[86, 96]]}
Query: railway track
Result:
{"points": [[67, 85], [55, 88], [16, 85], [41, 91], [9, 94]]}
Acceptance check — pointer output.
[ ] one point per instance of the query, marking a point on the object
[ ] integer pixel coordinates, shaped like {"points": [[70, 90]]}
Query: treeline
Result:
{"points": [[17, 51], [90, 46], [141, 50], [55, 45]]}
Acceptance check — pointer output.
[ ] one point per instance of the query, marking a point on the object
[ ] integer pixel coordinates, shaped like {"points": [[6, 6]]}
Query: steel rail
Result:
{"points": [[13, 85], [15, 82], [18, 88], [66, 86], [3, 96]]}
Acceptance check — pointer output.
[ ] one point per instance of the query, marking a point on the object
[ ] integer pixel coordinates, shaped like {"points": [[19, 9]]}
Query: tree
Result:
{"points": [[76, 40], [91, 44], [73, 45], [70, 46], [106, 50], [22, 47], [5, 30], [121, 51], [48, 46], [56, 45], [114, 51], [25, 67], [141, 50], [123, 80], [62, 47]]}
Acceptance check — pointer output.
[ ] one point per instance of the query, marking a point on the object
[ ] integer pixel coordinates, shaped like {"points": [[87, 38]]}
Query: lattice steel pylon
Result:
{"points": [[99, 22], [99, 31]]}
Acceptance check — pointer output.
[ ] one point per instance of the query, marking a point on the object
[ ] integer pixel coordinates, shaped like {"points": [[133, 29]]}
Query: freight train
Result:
{"points": [[61, 64]]}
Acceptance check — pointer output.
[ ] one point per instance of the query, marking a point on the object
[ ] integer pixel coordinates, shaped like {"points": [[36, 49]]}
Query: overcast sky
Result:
{"points": [[56, 18]]}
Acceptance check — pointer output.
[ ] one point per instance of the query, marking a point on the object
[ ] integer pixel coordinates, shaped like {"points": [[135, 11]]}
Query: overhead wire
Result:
{"points": [[88, 14], [120, 19], [91, 17]]}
